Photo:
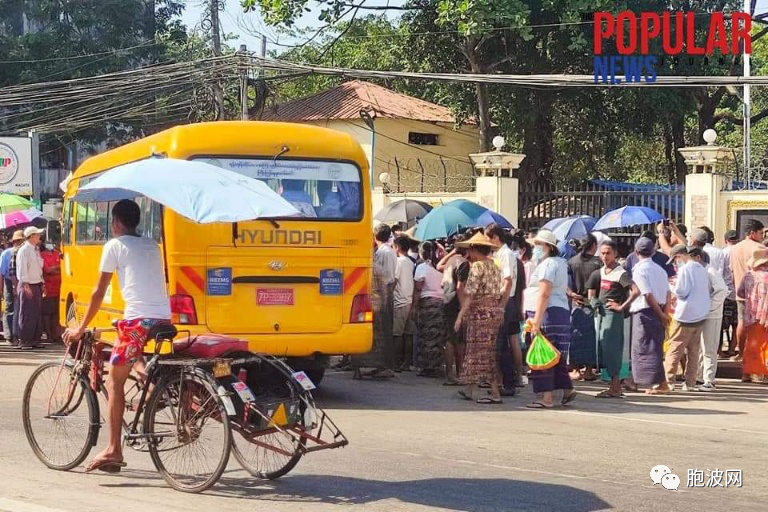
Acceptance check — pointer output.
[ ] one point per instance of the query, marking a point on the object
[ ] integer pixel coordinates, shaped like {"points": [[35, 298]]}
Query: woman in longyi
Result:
{"points": [[754, 292]]}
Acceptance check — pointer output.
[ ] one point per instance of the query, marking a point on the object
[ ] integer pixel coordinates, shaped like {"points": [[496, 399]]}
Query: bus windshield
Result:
{"points": [[319, 189]]}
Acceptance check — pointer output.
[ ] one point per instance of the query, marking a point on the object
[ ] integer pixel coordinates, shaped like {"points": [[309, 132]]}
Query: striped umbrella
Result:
{"points": [[13, 203], [12, 219]]}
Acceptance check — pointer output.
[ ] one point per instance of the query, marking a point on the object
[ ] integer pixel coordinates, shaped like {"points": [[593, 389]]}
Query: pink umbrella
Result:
{"points": [[17, 218]]}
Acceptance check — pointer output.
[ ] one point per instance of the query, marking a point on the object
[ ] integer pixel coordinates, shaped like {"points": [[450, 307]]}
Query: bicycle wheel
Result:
{"points": [[263, 462], [190, 432], [61, 417], [268, 454]]}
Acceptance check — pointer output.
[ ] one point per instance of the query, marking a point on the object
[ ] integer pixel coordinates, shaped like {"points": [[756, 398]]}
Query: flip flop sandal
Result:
{"points": [[484, 385], [569, 398], [463, 395], [489, 401], [107, 466], [607, 394], [452, 383], [539, 405]]}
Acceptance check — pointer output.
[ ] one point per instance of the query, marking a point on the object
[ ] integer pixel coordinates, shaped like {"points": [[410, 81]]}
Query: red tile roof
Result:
{"points": [[345, 101]]}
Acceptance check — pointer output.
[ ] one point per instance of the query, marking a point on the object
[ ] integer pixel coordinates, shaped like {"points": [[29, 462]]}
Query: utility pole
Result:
{"points": [[243, 82], [747, 110], [218, 92]]}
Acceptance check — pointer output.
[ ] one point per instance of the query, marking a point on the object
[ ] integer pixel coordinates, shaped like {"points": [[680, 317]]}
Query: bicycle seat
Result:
{"points": [[163, 332], [208, 346]]}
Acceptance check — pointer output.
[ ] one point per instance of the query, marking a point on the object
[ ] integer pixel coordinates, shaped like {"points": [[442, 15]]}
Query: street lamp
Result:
{"points": [[384, 180], [497, 162]]}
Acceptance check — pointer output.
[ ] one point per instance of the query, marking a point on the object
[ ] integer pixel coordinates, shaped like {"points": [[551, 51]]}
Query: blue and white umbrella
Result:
{"points": [[628, 216], [567, 228], [198, 191]]}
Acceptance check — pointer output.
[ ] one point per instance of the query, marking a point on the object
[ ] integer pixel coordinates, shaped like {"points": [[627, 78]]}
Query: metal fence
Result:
{"points": [[426, 175], [540, 203]]}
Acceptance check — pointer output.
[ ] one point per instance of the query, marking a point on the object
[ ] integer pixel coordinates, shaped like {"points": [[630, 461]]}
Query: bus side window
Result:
{"points": [[156, 225], [85, 218], [67, 223]]}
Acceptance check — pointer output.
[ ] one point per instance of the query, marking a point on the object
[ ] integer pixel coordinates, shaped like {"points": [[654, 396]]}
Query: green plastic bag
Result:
{"points": [[542, 354]]}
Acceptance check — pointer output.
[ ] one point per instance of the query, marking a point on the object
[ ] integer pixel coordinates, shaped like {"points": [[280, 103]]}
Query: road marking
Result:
{"points": [[660, 422], [8, 505]]}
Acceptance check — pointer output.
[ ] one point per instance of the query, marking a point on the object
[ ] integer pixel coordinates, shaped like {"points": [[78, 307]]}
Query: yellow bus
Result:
{"points": [[295, 287]]}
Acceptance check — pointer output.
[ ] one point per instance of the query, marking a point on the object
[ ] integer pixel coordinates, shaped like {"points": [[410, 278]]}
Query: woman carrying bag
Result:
{"points": [[552, 319]]}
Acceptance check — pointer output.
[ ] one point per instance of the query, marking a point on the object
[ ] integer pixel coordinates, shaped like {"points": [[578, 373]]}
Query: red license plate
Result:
{"points": [[274, 297]]}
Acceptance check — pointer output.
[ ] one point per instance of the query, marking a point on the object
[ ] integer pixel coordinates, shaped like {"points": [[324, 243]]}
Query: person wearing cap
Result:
{"points": [[658, 257], [710, 336], [481, 315], [691, 309], [740, 255], [8, 283], [551, 318], [29, 273], [753, 291], [583, 351], [649, 320]]}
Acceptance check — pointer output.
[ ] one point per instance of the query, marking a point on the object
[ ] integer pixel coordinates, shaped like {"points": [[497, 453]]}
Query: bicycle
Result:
{"points": [[273, 412], [181, 418]]}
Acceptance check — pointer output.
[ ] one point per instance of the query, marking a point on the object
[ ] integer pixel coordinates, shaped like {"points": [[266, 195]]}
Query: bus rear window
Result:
{"points": [[318, 189]]}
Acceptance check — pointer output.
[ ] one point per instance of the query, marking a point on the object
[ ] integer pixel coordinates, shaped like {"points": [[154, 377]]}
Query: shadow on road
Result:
{"points": [[465, 494], [409, 393]]}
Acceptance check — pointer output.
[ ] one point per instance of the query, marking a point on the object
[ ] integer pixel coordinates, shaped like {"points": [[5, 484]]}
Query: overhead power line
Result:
{"points": [[550, 80], [145, 44]]}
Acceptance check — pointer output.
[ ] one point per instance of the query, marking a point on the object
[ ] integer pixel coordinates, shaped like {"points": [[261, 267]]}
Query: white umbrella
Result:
{"points": [[199, 191]]}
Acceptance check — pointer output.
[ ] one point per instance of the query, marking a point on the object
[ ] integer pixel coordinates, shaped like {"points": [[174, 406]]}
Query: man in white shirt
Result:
{"points": [[29, 272], [139, 266], [384, 259], [508, 344], [384, 269], [649, 320], [703, 238], [403, 325], [710, 337], [693, 302]]}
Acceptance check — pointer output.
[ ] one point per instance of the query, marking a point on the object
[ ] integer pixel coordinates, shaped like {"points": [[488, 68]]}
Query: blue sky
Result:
{"points": [[247, 27]]}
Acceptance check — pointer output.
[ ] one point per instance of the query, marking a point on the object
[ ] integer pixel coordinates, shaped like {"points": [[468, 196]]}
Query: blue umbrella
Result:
{"points": [[452, 217], [196, 190], [628, 216], [567, 228]]}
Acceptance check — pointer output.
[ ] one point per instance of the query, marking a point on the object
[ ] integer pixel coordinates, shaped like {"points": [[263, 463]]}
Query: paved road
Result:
{"points": [[414, 447]]}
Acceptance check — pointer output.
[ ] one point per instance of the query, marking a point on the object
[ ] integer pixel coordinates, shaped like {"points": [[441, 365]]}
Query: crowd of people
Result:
{"points": [[30, 268], [465, 310]]}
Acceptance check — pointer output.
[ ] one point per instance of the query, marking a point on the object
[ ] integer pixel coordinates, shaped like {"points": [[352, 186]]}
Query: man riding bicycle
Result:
{"points": [[139, 266]]}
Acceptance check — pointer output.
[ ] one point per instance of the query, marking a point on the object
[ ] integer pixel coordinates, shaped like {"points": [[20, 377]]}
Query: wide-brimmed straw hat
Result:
{"points": [[759, 258], [545, 236], [477, 239]]}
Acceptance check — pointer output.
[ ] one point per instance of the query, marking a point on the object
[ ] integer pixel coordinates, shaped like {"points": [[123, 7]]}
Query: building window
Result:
{"points": [[422, 139]]}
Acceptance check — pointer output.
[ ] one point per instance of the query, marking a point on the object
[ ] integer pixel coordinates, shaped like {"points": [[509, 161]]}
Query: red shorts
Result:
{"points": [[132, 335]]}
